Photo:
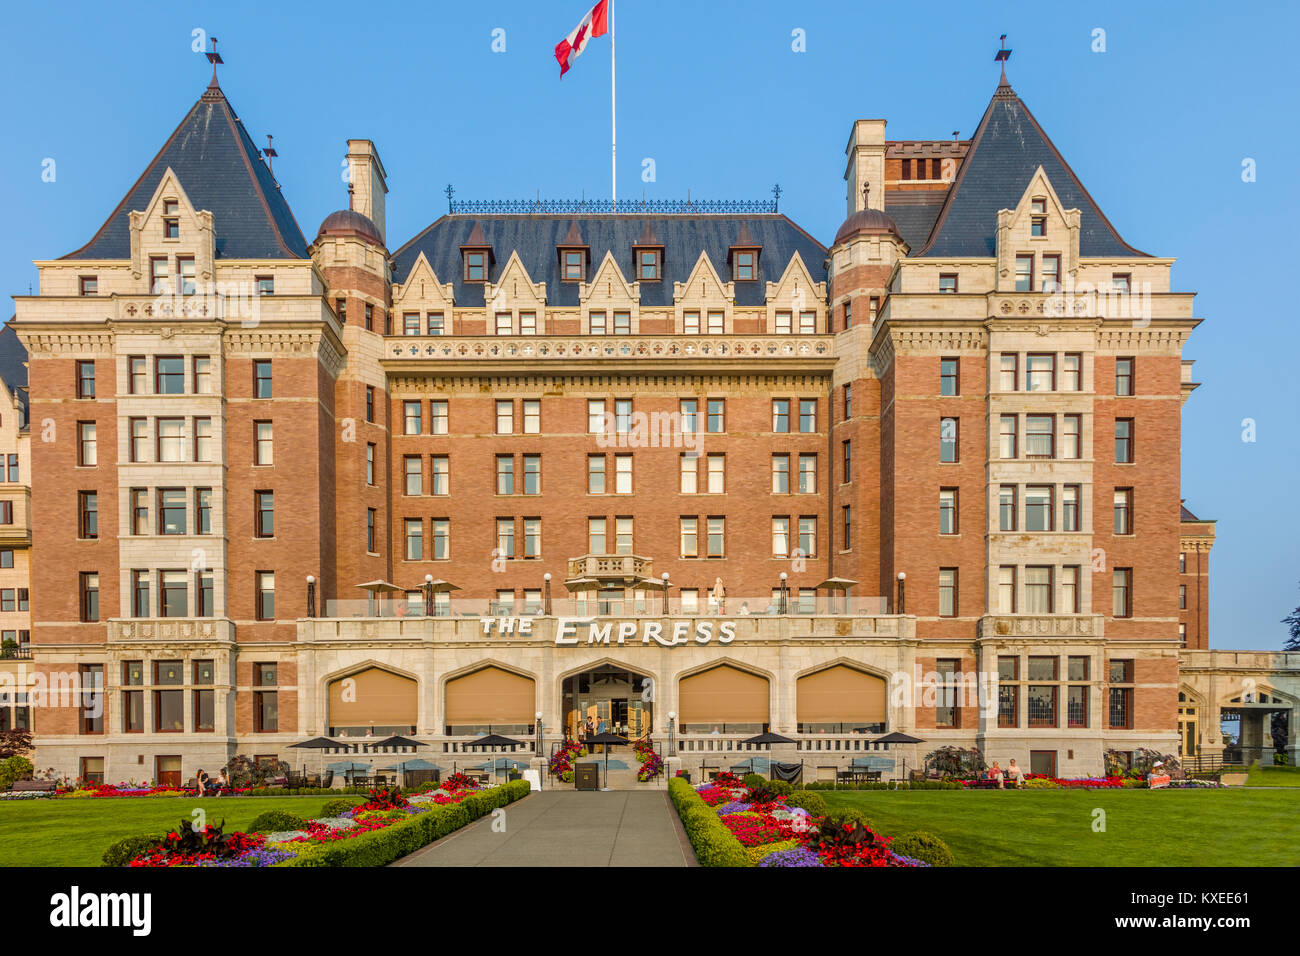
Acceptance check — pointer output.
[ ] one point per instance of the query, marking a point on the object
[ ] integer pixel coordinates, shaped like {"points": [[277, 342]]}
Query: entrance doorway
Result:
{"points": [[614, 698]]}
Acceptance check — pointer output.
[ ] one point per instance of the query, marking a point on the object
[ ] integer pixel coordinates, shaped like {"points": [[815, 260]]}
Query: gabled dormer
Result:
{"points": [[424, 304], [796, 304], [704, 303], [515, 303], [574, 255], [742, 256], [172, 244], [648, 256], [610, 304], [1038, 241], [476, 256]]}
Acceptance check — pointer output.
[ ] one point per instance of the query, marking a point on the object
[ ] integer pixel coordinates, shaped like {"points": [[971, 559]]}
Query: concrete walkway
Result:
{"points": [[569, 828]]}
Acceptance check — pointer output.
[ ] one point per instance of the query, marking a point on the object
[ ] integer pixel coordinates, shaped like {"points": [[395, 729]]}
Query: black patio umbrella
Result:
{"points": [[900, 738], [399, 741], [494, 740], [605, 738], [316, 743], [766, 738]]}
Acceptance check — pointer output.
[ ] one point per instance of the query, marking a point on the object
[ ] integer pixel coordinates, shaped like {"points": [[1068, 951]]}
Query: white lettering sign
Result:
{"points": [[575, 631]]}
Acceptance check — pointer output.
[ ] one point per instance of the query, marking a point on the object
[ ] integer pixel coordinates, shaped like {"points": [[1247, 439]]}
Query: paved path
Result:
{"points": [[569, 828]]}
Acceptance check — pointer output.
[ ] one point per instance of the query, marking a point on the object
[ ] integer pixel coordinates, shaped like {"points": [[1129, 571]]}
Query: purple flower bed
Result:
{"points": [[907, 860], [738, 806], [254, 858], [797, 856]]}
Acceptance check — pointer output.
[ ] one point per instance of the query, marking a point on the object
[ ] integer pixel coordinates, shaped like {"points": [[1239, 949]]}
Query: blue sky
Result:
{"points": [[1157, 127]]}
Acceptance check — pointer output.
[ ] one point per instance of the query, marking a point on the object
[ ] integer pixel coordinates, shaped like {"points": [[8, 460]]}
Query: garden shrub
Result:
{"points": [[923, 846], [124, 851], [334, 808], [844, 815], [812, 802], [381, 847], [14, 768], [781, 787], [713, 843], [754, 781], [276, 821]]}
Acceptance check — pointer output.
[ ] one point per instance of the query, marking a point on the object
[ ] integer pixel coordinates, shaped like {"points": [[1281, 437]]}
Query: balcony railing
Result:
{"points": [[570, 348]]}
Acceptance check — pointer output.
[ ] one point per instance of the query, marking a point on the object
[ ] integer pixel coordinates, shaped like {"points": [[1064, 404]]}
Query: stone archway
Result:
{"points": [[614, 696]]}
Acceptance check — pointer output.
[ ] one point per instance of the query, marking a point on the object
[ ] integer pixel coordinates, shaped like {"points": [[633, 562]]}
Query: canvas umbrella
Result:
{"points": [[398, 741], [605, 738], [836, 584], [494, 740], [378, 588], [767, 738], [316, 743], [900, 738]]}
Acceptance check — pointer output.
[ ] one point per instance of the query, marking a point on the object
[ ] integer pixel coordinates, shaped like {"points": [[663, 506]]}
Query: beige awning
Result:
{"points": [[836, 584], [372, 696], [490, 696], [582, 584], [379, 587], [723, 694], [440, 586], [841, 695]]}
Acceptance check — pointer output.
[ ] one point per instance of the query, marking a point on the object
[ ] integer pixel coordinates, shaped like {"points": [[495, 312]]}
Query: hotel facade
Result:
{"points": [[680, 468]]}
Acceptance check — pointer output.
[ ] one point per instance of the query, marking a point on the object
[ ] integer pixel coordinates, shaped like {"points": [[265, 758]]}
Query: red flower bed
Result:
{"points": [[764, 828]]}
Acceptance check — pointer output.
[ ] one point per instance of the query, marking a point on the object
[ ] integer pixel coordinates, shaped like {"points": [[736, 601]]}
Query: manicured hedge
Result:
{"points": [[884, 785], [381, 847], [714, 844]]}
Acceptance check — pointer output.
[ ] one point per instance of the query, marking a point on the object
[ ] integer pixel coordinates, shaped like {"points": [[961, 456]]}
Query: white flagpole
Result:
{"points": [[613, 121]]}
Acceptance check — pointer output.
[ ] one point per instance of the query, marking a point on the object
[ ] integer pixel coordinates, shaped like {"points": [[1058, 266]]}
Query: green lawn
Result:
{"points": [[1273, 776], [1233, 827], [76, 832]]}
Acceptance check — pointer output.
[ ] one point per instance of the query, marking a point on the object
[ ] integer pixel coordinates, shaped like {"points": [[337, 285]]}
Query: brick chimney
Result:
{"points": [[866, 164]]}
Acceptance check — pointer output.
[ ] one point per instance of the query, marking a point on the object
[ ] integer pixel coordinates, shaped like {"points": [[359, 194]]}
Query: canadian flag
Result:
{"points": [[594, 24]]}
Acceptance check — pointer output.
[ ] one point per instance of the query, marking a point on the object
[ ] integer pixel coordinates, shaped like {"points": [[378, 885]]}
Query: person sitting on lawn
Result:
{"points": [[1015, 773], [996, 774]]}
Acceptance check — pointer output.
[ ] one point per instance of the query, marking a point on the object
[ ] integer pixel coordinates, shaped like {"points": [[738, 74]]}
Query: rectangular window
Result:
{"points": [[265, 285], [532, 474], [1040, 436], [807, 474], [1124, 376], [475, 266], [413, 475], [435, 323], [265, 596], [1006, 589], [595, 416], [574, 264], [1042, 703], [441, 539], [204, 595], [780, 474], [783, 323], [87, 445], [140, 604], [1008, 372], [717, 414], [807, 536], [1123, 510], [945, 700], [1038, 590], [1038, 217], [1182, 597], [596, 475], [528, 323], [410, 323], [1008, 433], [1040, 373], [1008, 693], [88, 510], [691, 322], [505, 474], [171, 439], [717, 474], [158, 276], [203, 439], [263, 444], [89, 592], [173, 594], [596, 322], [948, 376], [716, 323], [370, 403], [647, 265], [807, 323], [532, 416], [948, 282], [1070, 507], [947, 510], [532, 537], [717, 536], [505, 538], [807, 415], [846, 447], [411, 418], [91, 678], [689, 533], [171, 510], [264, 503], [202, 367], [262, 379], [1123, 440], [185, 272], [1071, 372], [88, 285], [440, 475], [846, 540], [1039, 508], [1007, 510], [744, 266], [504, 323], [139, 511], [623, 416], [1051, 279], [1121, 282], [596, 536], [947, 592], [1122, 592], [623, 535], [1024, 273], [86, 379], [948, 430], [1069, 590], [438, 417], [1071, 436], [689, 412], [781, 415], [370, 463]]}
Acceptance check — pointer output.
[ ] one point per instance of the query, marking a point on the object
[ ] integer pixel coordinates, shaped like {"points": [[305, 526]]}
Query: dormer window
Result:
{"points": [[171, 220], [476, 266], [1038, 217], [89, 285], [648, 265], [746, 265], [948, 282], [575, 264]]}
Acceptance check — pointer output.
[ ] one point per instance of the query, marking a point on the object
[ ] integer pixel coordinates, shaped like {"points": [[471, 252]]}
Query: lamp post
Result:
{"points": [[901, 605], [672, 738], [540, 742], [311, 595], [664, 577], [784, 606], [428, 595], [546, 597]]}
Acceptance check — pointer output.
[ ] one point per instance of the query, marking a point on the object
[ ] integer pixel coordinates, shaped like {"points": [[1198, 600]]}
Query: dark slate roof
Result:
{"points": [[1007, 150], [220, 170], [13, 367], [537, 239], [914, 214]]}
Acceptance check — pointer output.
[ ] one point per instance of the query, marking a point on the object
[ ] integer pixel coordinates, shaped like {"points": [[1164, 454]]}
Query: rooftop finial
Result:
{"points": [[215, 59], [270, 154], [450, 191], [1001, 57], [776, 194]]}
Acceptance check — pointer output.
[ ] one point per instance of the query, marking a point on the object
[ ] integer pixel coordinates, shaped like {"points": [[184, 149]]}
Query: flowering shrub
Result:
{"points": [[381, 799], [652, 765], [1038, 781], [458, 782], [562, 761]]}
